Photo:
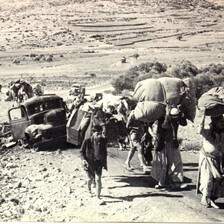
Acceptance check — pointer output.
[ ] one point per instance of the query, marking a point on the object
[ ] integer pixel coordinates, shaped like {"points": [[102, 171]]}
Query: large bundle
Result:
{"points": [[149, 111], [213, 101], [172, 88], [162, 89], [167, 89], [149, 89]]}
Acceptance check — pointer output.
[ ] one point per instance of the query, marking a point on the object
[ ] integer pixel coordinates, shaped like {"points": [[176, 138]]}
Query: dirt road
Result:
{"points": [[50, 186]]}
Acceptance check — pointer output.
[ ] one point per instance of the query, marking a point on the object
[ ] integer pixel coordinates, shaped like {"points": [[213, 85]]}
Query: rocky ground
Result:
{"points": [[61, 42], [50, 186]]}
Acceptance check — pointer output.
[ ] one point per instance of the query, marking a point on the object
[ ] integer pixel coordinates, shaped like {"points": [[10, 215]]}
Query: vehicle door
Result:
{"points": [[19, 121]]}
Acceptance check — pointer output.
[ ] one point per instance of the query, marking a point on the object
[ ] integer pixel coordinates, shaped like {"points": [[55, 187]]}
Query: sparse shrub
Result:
{"points": [[37, 58], [184, 70], [123, 82], [32, 55], [150, 66], [43, 82], [92, 75], [206, 81], [136, 56], [209, 77], [137, 73], [49, 58], [205, 78], [214, 69], [16, 61]]}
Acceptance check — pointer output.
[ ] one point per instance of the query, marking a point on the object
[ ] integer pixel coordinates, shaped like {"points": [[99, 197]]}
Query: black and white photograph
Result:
{"points": [[112, 111]]}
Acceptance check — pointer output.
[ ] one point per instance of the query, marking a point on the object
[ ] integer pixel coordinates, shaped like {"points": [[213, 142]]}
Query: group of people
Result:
{"points": [[158, 147], [20, 90], [160, 137], [167, 167]]}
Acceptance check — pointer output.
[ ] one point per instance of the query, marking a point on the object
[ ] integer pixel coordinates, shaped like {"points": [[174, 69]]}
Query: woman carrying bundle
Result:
{"points": [[210, 175]]}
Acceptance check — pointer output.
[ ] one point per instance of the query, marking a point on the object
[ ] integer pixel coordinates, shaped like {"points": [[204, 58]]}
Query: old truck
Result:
{"points": [[39, 121], [77, 89]]}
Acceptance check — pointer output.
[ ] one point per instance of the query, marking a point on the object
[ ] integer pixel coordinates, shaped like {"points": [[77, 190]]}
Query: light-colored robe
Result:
{"points": [[167, 165], [209, 181]]}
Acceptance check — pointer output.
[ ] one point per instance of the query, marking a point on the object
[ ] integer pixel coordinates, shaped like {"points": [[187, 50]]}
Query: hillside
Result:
{"points": [[70, 40]]}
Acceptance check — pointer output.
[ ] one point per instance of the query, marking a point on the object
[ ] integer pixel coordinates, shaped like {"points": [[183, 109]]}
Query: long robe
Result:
{"points": [[167, 166], [210, 181]]}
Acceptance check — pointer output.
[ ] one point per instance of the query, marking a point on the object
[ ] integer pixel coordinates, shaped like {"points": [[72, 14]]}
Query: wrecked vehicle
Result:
{"points": [[40, 121]]}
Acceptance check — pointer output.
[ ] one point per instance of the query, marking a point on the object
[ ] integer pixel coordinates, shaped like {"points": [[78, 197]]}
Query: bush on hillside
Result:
{"points": [[123, 82], [205, 78], [206, 81], [214, 69], [209, 77], [184, 70], [137, 73]]}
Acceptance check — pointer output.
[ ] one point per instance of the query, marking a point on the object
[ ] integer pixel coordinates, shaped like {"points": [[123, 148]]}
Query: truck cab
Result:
{"points": [[44, 115], [77, 89]]}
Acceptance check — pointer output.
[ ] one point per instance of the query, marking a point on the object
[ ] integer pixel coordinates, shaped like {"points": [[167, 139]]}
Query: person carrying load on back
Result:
{"points": [[94, 159], [136, 131], [210, 176], [167, 166]]}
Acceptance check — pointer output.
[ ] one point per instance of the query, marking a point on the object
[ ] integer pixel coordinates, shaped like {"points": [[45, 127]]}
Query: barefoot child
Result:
{"points": [[94, 158]]}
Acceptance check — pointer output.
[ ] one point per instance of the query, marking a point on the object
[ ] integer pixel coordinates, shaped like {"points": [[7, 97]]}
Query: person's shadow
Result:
{"points": [[144, 181]]}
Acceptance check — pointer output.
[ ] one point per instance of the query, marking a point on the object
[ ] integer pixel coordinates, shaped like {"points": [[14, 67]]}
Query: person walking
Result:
{"points": [[210, 180], [136, 132], [94, 159], [167, 166]]}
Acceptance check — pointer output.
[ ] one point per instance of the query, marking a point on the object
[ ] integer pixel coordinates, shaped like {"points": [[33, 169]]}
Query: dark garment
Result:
{"points": [[93, 150], [147, 147], [27, 88], [164, 135], [95, 168]]}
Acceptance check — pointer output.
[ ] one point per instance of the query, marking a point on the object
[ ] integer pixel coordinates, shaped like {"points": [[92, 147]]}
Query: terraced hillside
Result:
{"points": [[74, 39]]}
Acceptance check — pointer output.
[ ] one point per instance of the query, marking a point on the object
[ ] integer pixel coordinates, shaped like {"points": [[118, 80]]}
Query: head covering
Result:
{"points": [[22, 81], [174, 111]]}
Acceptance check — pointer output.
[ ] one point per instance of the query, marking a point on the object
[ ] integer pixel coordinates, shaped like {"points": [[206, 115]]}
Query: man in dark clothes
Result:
{"points": [[94, 158]]}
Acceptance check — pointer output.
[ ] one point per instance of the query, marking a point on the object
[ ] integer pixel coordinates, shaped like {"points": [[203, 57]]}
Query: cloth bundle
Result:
{"points": [[153, 95], [213, 102]]}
